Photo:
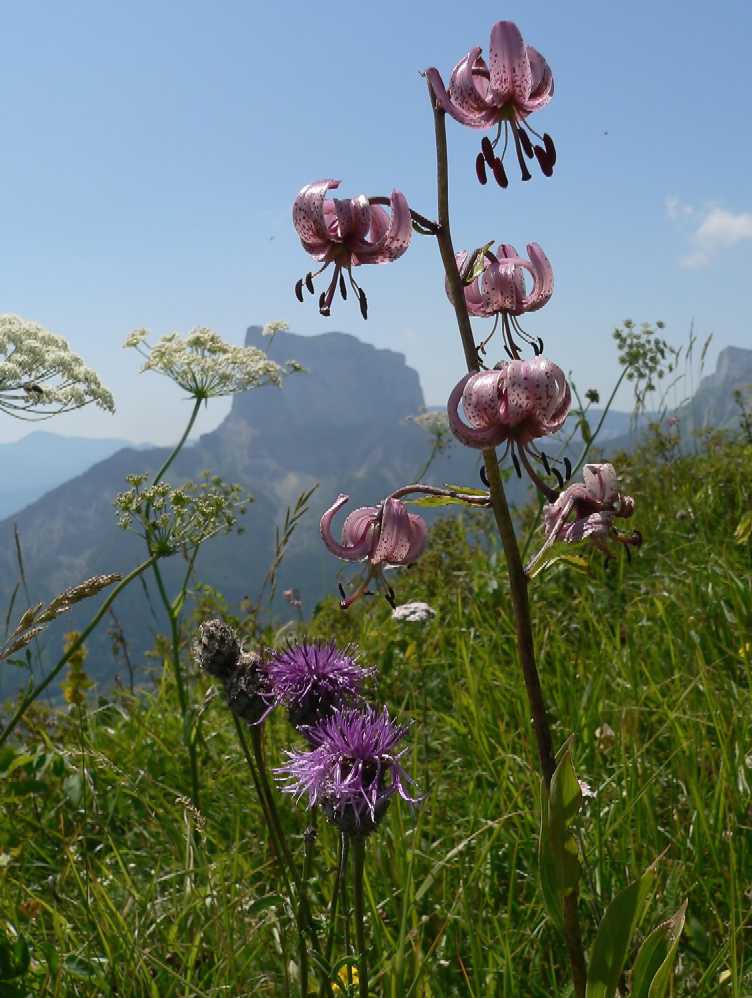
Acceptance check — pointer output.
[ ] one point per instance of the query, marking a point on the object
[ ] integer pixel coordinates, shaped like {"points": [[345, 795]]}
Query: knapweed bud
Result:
{"points": [[217, 649], [247, 690]]}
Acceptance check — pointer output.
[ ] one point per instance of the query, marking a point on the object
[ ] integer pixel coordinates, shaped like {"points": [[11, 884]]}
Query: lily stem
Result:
{"points": [[502, 516]]}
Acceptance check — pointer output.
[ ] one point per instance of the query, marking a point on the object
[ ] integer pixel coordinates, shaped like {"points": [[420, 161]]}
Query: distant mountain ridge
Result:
{"points": [[344, 424]]}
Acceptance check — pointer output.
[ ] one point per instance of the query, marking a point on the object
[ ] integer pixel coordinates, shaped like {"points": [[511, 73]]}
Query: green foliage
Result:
{"points": [[112, 894]]}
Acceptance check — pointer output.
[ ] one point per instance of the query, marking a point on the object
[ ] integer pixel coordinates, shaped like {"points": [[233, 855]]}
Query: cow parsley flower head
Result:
{"points": [[352, 771], [313, 680], [205, 366], [40, 376]]}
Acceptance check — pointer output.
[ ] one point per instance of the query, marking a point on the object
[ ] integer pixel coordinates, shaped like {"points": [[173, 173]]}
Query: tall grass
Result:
{"points": [[112, 883]]}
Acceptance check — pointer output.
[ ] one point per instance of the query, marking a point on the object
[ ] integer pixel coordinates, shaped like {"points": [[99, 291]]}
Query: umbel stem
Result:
{"points": [[517, 578]]}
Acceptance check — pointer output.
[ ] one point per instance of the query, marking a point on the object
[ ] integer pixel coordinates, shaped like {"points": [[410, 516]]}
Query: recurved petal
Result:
{"points": [[347, 552], [391, 244], [418, 537], [543, 276], [361, 216], [480, 399], [491, 436], [344, 217], [503, 286], [308, 211], [595, 525], [468, 84], [601, 482], [511, 77], [393, 544], [358, 526], [475, 119], [542, 84]]}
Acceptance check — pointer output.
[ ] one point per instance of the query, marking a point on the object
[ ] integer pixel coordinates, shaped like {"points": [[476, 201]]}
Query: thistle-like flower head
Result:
{"points": [[516, 81], [499, 289], [347, 232], [352, 770], [313, 680]]}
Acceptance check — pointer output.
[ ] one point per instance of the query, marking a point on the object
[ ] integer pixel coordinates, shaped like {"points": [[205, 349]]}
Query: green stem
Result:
{"points": [[178, 447], [42, 686], [180, 683], [359, 851], [505, 527]]}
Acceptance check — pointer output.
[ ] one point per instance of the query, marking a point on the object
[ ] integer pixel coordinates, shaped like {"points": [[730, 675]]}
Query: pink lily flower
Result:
{"points": [[517, 402], [384, 535], [594, 505], [500, 291], [517, 82], [347, 232]]}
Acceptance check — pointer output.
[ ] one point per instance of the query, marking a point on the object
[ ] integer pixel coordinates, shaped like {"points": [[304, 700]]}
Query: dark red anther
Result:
{"points": [[500, 173], [567, 469], [516, 463], [484, 477], [557, 475], [323, 307], [299, 289], [480, 168], [547, 167], [527, 145], [548, 145], [309, 281], [488, 151], [342, 287], [546, 465], [363, 302]]}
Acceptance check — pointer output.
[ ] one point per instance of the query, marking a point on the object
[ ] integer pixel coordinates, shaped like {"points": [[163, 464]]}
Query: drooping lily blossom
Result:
{"points": [[500, 290], [347, 232], [384, 535], [517, 402], [586, 512], [516, 81]]}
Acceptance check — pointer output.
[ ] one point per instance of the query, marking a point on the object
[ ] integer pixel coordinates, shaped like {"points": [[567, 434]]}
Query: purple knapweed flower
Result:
{"points": [[347, 232], [517, 82], [352, 771], [594, 504], [384, 535], [517, 402], [500, 290], [313, 680]]}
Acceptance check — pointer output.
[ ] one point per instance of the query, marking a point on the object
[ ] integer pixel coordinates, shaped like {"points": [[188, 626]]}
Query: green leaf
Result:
{"points": [[558, 859], [564, 801], [558, 553], [655, 961], [475, 264], [436, 501], [546, 867], [14, 957], [73, 788], [262, 903], [743, 530], [468, 490], [614, 936], [585, 431]]}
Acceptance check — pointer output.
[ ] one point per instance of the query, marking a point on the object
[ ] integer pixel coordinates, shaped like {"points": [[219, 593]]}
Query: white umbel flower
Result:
{"points": [[204, 365], [40, 376]]}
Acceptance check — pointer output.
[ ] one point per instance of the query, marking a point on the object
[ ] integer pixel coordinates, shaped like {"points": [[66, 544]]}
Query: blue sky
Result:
{"points": [[153, 150]]}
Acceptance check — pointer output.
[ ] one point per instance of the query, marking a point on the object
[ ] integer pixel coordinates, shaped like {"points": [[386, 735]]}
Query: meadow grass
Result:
{"points": [[110, 883]]}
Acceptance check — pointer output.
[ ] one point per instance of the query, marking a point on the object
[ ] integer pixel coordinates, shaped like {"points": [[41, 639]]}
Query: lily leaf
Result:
{"points": [[614, 936], [655, 961], [556, 554], [558, 859], [435, 501], [475, 264]]}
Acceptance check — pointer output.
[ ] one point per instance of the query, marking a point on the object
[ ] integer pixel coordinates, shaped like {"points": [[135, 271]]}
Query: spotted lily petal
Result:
{"points": [[509, 66], [357, 539], [386, 245]]}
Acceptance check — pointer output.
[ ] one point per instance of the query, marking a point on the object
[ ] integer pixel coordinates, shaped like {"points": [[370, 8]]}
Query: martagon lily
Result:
{"points": [[516, 82], [499, 290], [594, 504], [383, 535], [517, 402], [347, 232]]}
